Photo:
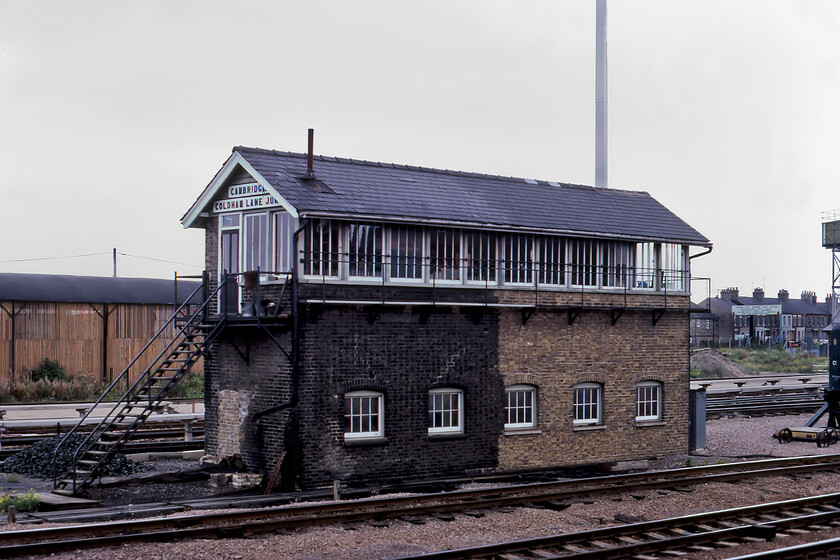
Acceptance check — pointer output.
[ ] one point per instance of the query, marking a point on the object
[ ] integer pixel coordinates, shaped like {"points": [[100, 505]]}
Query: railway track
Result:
{"points": [[762, 405], [144, 441], [673, 537], [472, 502]]}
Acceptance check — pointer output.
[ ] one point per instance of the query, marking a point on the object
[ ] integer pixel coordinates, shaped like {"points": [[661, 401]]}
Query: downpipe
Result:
{"points": [[293, 397]]}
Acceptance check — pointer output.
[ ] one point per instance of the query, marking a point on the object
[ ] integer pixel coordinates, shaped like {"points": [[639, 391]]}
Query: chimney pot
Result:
{"points": [[310, 157], [729, 294]]}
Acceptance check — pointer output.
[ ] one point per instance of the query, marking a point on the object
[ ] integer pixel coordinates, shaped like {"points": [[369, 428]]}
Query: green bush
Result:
{"points": [[28, 501], [51, 370], [774, 360], [76, 388], [190, 387]]}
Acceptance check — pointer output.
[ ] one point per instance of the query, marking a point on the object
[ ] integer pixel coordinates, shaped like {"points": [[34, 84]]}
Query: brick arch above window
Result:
{"points": [[365, 385], [521, 379], [448, 382], [648, 377], [599, 378]]}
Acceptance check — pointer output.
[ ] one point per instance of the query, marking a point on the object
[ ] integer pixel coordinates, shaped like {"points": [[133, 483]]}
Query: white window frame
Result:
{"points": [[644, 266], [550, 249], [438, 406], [520, 407], [327, 264], [518, 259], [282, 231], [362, 257], [456, 263], [487, 245], [648, 393], [263, 254], [583, 405], [370, 397], [618, 260], [674, 266], [583, 271], [396, 261]]}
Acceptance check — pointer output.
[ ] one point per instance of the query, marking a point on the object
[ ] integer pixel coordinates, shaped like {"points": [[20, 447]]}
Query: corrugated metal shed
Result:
{"points": [[92, 289]]}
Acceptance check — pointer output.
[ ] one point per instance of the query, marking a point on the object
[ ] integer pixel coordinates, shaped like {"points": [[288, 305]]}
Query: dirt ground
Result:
{"points": [[716, 365]]}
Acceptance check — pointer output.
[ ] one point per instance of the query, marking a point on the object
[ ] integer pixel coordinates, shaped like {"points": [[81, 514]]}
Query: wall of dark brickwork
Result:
{"points": [[403, 354], [236, 389], [397, 351]]}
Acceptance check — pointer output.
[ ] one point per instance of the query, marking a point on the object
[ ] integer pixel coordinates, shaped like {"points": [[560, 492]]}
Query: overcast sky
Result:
{"points": [[115, 115]]}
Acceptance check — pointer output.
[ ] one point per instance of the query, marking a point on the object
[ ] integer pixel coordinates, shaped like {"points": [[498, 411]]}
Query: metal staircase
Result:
{"points": [[193, 334]]}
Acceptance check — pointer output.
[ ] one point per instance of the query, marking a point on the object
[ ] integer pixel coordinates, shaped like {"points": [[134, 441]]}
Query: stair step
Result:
{"points": [[62, 491]]}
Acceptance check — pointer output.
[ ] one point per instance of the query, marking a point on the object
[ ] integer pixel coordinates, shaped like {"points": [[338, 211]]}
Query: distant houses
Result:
{"points": [[758, 319]]}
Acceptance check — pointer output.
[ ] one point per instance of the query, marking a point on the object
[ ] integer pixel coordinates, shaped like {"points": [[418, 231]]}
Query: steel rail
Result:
{"points": [[376, 508], [807, 550], [677, 535]]}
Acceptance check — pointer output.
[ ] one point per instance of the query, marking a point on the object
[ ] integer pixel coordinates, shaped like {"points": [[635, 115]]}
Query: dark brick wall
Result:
{"points": [[403, 354], [236, 389], [397, 351]]}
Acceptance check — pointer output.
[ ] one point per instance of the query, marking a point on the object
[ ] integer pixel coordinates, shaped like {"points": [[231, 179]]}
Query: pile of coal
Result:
{"points": [[37, 460]]}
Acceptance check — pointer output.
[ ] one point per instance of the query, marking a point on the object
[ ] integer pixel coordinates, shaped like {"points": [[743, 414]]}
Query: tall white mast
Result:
{"points": [[601, 93]]}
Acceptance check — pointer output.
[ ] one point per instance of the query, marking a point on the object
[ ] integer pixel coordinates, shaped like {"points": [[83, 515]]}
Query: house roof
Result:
{"points": [[789, 306], [91, 289], [353, 188]]}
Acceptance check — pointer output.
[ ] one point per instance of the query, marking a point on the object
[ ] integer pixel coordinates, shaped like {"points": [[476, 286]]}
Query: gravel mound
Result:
{"points": [[714, 364], [37, 459]]}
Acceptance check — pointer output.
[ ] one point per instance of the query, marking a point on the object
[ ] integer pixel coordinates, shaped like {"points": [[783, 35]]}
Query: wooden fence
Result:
{"points": [[94, 340]]}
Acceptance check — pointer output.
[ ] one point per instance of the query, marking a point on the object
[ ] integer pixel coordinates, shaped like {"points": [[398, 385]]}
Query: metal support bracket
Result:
{"points": [[657, 314], [615, 315], [477, 314], [425, 312], [277, 343], [574, 313], [246, 356], [373, 313], [527, 313]]}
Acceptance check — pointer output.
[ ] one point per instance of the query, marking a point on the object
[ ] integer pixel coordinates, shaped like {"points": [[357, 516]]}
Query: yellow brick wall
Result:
{"points": [[554, 356]]}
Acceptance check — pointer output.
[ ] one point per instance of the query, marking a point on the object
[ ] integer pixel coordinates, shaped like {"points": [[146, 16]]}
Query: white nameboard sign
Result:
{"points": [[252, 196], [250, 189], [757, 309]]}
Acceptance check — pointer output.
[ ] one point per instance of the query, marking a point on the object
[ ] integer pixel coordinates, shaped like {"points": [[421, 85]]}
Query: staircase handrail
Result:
{"points": [[140, 378]]}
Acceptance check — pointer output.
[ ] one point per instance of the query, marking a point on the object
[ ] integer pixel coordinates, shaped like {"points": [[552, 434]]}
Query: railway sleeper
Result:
{"points": [[540, 553]]}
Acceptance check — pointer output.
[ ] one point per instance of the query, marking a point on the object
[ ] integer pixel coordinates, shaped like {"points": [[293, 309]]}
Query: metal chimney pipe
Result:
{"points": [[310, 165], [601, 93]]}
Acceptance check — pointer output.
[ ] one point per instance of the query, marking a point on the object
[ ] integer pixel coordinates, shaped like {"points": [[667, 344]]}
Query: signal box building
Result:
{"points": [[389, 322]]}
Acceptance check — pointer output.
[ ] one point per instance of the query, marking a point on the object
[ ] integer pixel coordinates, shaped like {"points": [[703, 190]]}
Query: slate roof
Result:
{"points": [[363, 188], [91, 289], [790, 306]]}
